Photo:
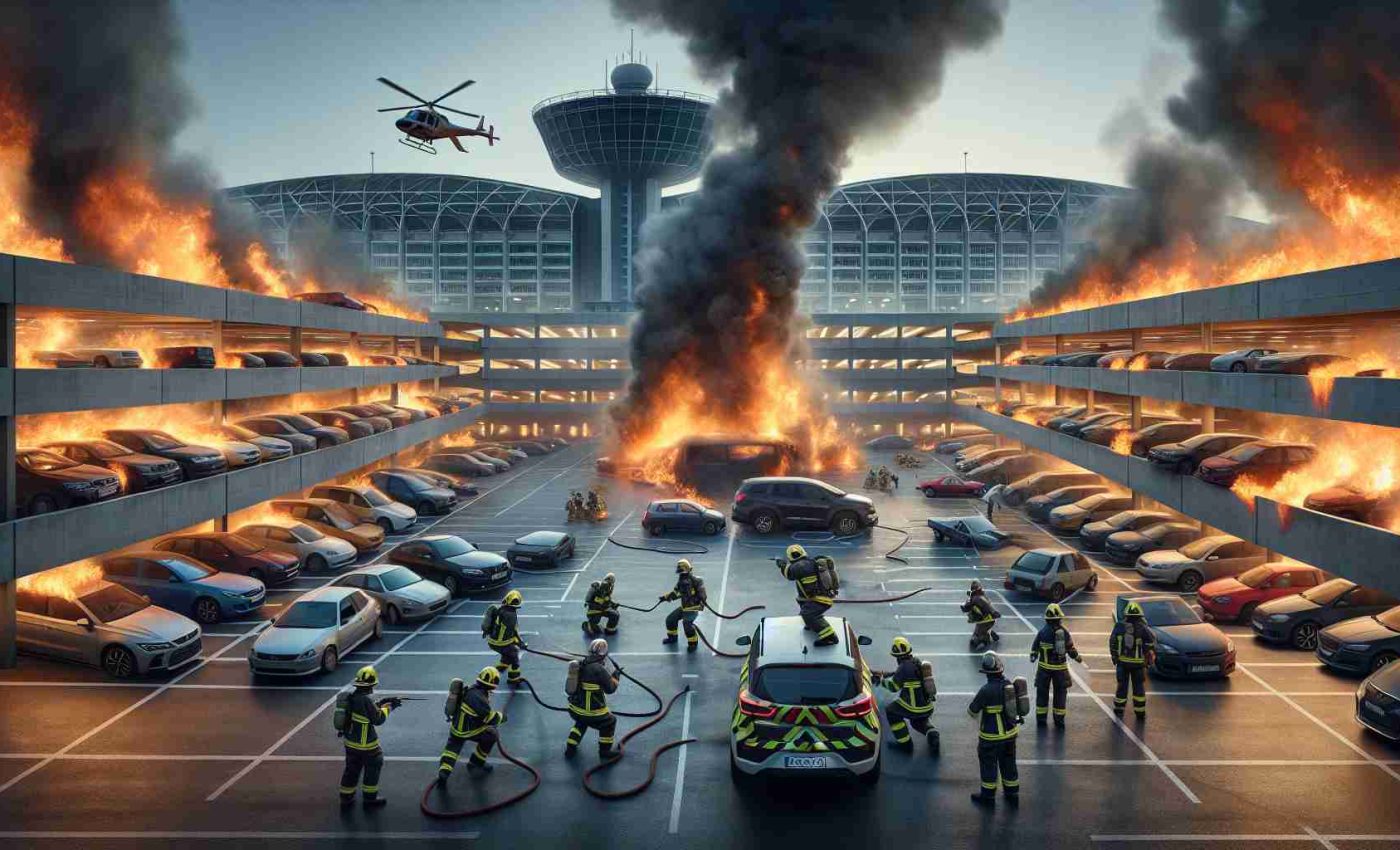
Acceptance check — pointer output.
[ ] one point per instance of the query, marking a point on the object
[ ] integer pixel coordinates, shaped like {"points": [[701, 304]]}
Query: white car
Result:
{"points": [[1200, 561], [317, 552], [402, 593], [368, 503], [110, 358], [315, 632], [497, 463]]}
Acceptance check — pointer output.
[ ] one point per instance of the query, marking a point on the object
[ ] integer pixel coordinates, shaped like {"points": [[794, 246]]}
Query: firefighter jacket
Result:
{"points": [[803, 571], [980, 607], [594, 685], [1044, 652], [475, 713], [505, 633], [908, 682], [363, 716], [599, 599], [690, 591], [989, 707], [1130, 643]]}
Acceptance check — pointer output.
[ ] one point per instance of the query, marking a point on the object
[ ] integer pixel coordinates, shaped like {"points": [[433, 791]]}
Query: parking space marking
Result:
{"points": [[227, 835], [724, 582], [680, 769], [596, 553], [1310, 836], [547, 482]]}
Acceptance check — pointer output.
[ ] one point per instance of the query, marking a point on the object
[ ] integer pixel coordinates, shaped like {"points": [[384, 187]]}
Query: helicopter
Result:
{"points": [[423, 124]]}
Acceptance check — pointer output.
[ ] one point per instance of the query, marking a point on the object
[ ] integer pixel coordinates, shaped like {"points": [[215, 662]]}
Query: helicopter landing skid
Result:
{"points": [[425, 147]]}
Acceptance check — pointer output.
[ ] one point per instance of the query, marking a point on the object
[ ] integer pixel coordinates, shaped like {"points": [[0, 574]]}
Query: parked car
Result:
{"points": [[425, 497], [1187, 646], [312, 437], [1068, 519], [234, 553], [345, 421], [687, 515], [238, 453], [458, 485], [316, 552], [976, 459], [1299, 619], [105, 625], [956, 444], [975, 530], [972, 452], [1362, 645], [1103, 433], [47, 482], [330, 518], [786, 669], [1081, 358], [508, 452], [1093, 535], [1114, 359], [384, 360], [769, 503], [402, 594], [1169, 431], [1190, 361], [494, 462], [443, 404], [1234, 598], [246, 360], [1021, 490], [110, 358], [185, 357], [1240, 360], [398, 417], [270, 448], [1075, 414], [315, 632], [497, 453], [541, 548], [1185, 456], [368, 504], [453, 562], [1008, 469], [1054, 573], [1264, 461], [527, 446], [312, 359], [62, 359], [1378, 702], [890, 442], [1149, 359], [334, 358], [954, 486], [138, 472], [1075, 427], [395, 413], [456, 463], [1038, 508], [1299, 362], [1200, 561], [277, 359], [1351, 503], [195, 461], [337, 299], [179, 583], [1124, 547]]}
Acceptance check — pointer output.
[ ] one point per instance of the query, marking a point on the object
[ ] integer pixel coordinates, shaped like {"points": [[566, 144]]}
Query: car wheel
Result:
{"points": [[710, 527], [102, 363], [316, 564], [330, 659], [425, 508], [1247, 612], [119, 662], [845, 524], [1382, 659], [928, 492], [1189, 582], [1057, 592], [1238, 367], [453, 585], [206, 611], [384, 523], [656, 529], [765, 522], [378, 628], [1305, 636], [391, 615], [1093, 584], [42, 504]]}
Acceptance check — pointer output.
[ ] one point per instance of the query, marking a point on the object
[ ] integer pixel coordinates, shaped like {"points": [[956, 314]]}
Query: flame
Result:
{"points": [[191, 423], [1122, 442], [1138, 364], [66, 582], [18, 235], [1026, 416], [1322, 378], [43, 334]]}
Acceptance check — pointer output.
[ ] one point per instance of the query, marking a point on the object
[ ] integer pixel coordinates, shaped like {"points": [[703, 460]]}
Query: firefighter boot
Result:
{"points": [[483, 768], [932, 737], [1059, 721], [984, 797], [375, 802]]}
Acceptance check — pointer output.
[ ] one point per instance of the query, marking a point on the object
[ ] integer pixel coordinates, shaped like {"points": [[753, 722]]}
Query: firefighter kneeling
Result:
{"points": [[588, 686], [1051, 651], [472, 718], [817, 586], [912, 680], [355, 718], [1000, 707], [1132, 648], [598, 606]]}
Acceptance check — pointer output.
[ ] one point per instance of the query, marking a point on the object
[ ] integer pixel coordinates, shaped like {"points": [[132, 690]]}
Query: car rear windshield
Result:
{"points": [[1328, 592], [399, 577], [798, 684], [1033, 562], [452, 546], [414, 483], [310, 615], [1157, 532], [375, 497], [1244, 452], [112, 602], [1255, 577], [1168, 612]]}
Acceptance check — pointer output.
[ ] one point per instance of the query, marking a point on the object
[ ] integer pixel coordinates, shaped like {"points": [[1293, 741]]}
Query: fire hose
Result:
{"points": [[624, 674], [655, 754], [890, 554], [721, 653], [475, 811], [692, 548]]}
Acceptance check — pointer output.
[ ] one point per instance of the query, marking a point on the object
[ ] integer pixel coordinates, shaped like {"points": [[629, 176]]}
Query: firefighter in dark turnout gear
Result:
{"points": [[504, 637], [813, 600], [364, 758], [476, 721], [598, 606], [982, 615], [690, 590], [1051, 651], [997, 727], [1132, 647], [914, 704], [588, 704]]}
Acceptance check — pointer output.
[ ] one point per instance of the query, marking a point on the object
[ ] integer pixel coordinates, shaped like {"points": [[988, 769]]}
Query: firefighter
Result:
{"points": [[598, 605], [475, 721], [996, 735], [690, 590], [813, 599], [1051, 651], [982, 615], [914, 704], [588, 703], [1133, 649], [504, 636], [364, 758]]}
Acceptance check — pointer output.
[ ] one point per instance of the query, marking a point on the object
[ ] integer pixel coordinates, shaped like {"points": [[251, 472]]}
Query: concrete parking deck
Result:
{"points": [[1268, 757]]}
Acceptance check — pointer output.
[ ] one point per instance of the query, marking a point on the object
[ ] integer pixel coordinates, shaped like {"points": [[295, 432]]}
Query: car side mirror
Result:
{"points": [[84, 622], [864, 640], [743, 640]]}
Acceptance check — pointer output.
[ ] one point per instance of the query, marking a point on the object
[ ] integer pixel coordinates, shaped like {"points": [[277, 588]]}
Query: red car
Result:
{"points": [[233, 553], [951, 485], [1235, 598], [1264, 461]]}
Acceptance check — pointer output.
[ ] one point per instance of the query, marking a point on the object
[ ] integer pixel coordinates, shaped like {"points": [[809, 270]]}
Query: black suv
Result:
{"points": [[769, 503]]}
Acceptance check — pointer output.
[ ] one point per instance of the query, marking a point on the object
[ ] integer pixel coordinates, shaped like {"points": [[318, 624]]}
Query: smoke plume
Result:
{"points": [[719, 276]]}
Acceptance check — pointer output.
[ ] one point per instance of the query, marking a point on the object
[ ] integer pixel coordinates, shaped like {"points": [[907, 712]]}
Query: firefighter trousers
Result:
{"points": [[901, 719], [813, 620], [1136, 676], [509, 662], [982, 634], [594, 618], [998, 759], [361, 772], [485, 740], [606, 724], [1046, 683], [681, 617]]}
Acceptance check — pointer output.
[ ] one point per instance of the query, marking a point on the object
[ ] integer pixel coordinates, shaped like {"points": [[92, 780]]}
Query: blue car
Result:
{"points": [[681, 515], [182, 584]]}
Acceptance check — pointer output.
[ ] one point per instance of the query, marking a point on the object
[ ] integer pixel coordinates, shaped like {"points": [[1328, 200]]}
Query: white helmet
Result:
{"points": [[598, 648]]}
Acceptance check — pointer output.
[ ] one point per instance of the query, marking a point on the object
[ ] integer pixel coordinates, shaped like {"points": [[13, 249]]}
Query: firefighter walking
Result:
{"points": [[588, 687], [357, 721], [503, 635], [817, 586], [1132, 647], [982, 615], [690, 591], [1051, 652], [598, 606], [913, 705], [998, 711], [473, 720]]}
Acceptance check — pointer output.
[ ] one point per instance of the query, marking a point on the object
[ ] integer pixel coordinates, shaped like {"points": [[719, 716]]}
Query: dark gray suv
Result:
{"points": [[771, 503]]}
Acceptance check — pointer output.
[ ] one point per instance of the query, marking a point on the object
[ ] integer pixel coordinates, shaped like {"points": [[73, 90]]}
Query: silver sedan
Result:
{"points": [[402, 593], [315, 632], [318, 552]]}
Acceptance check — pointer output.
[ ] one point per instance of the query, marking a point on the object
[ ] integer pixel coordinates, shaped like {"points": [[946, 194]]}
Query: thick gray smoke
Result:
{"points": [[719, 276], [1273, 83]]}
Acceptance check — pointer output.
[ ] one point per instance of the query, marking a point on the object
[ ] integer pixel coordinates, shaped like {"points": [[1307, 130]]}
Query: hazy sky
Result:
{"points": [[288, 88]]}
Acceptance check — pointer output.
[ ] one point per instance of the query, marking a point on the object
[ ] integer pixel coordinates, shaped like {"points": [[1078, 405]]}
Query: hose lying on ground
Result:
{"points": [[475, 811], [622, 744], [718, 652], [890, 554], [742, 611], [692, 548], [838, 600], [624, 674]]}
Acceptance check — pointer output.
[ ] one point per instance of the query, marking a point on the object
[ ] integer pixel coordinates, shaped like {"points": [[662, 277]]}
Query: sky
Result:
{"points": [[287, 89]]}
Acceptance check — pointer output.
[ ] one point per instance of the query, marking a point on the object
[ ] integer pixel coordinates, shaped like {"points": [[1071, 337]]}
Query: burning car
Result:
{"points": [[138, 472], [1354, 504], [47, 482], [110, 358], [337, 299], [1263, 461], [195, 461], [1240, 360]]}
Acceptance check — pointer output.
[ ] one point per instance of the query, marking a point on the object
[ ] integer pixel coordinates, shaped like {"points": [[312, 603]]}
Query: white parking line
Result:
{"points": [[680, 770], [724, 580], [233, 835], [596, 553]]}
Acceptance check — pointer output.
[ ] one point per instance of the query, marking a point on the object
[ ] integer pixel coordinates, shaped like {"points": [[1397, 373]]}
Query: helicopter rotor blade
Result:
{"points": [[398, 88], [458, 111], [452, 92], [399, 108]]}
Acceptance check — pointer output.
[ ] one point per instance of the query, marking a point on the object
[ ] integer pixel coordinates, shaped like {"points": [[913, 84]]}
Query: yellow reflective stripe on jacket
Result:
{"points": [[1043, 660], [1123, 657], [360, 727], [588, 709], [1002, 733]]}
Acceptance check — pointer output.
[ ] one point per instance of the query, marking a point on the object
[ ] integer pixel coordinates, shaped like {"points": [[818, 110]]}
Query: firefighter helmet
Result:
{"points": [[900, 647], [976, 586], [992, 663], [366, 678], [598, 648], [609, 579], [1054, 612], [683, 566], [513, 599], [1132, 609], [795, 551], [489, 676]]}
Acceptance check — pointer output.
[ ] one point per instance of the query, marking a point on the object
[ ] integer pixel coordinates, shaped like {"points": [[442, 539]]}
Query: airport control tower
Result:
{"points": [[629, 141]]}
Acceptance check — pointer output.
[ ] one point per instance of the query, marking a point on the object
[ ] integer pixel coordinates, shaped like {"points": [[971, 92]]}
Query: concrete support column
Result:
{"points": [[352, 347], [7, 495], [216, 341], [1207, 336], [1208, 418], [294, 343], [1135, 411], [437, 356], [1059, 349], [1088, 401], [996, 382]]}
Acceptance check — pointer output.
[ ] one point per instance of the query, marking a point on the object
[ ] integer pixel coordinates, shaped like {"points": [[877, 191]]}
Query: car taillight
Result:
{"points": [[646, 517], [740, 496], [858, 707], [1008, 584], [755, 707]]}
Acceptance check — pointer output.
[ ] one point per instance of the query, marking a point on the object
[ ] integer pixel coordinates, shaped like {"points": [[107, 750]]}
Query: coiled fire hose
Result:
{"points": [[475, 811], [622, 744], [691, 548]]}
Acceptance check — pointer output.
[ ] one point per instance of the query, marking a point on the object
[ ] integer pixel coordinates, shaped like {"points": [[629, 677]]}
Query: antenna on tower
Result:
{"points": [[632, 44]]}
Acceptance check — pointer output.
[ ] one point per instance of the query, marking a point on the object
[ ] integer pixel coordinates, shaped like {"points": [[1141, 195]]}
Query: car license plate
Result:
{"points": [[1372, 708], [524, 559], [108, 490], [804, 762], [499, 574], [1205, 668]]}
